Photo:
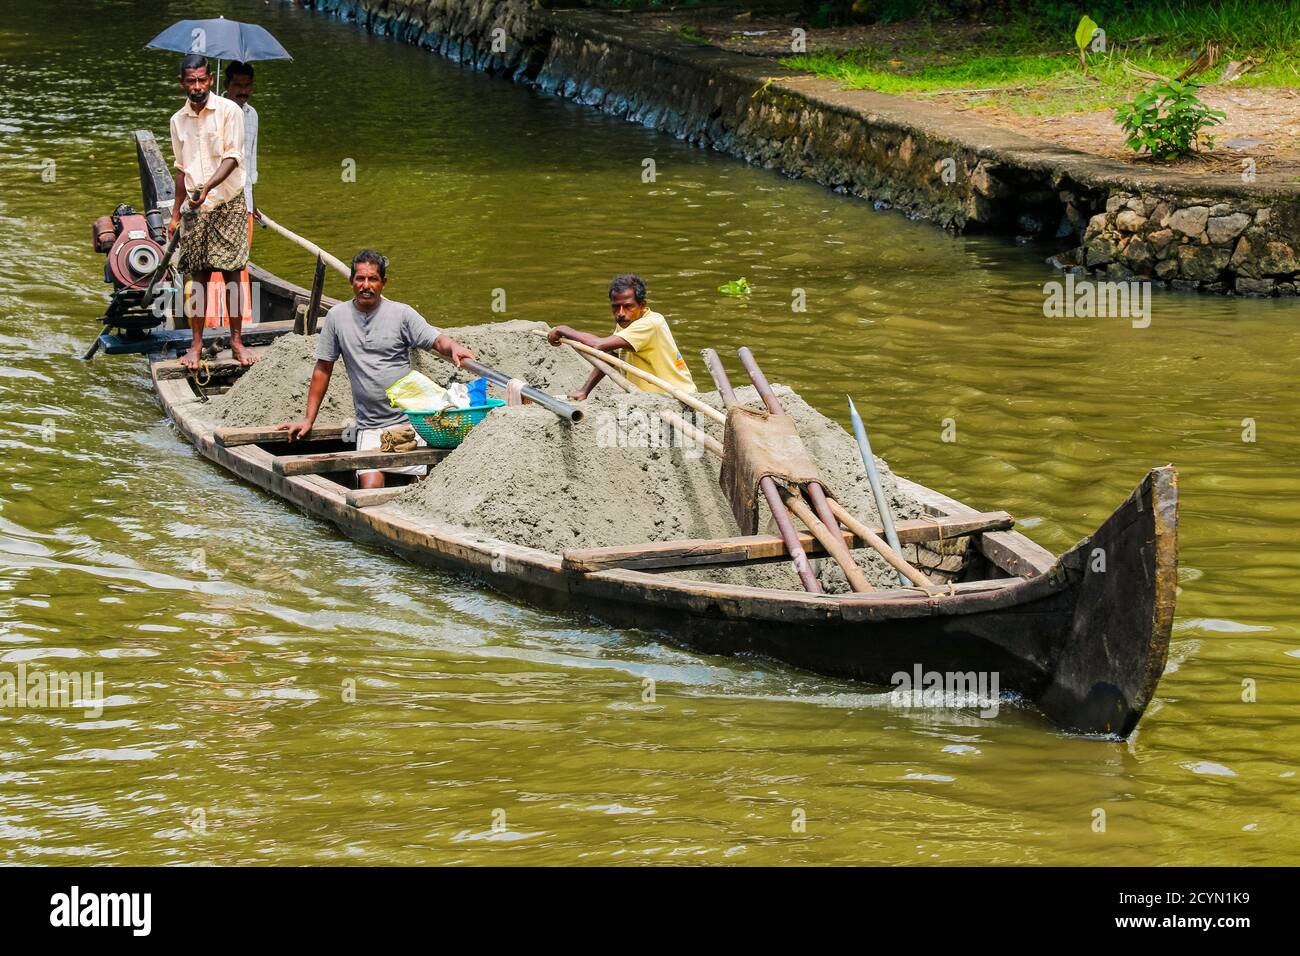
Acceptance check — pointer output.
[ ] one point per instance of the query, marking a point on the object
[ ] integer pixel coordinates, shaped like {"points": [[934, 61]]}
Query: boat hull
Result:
{"points": [[1044, 635]]}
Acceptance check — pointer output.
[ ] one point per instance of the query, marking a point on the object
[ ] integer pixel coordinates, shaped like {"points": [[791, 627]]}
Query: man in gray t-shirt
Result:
{"points": [[374, 336]]}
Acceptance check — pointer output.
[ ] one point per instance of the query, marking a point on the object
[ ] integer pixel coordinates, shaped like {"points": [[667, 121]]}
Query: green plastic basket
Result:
{"points": [[448, 428]]}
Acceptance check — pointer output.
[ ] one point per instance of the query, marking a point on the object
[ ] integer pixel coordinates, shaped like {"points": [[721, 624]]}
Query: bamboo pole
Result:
{"points": [[307, 244], [715, 447], [891, 556], [672, 418], [619, 364]]}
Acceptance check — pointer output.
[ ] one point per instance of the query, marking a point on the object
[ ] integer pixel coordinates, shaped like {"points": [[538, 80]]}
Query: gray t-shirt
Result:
{"points": [[376, 351]]}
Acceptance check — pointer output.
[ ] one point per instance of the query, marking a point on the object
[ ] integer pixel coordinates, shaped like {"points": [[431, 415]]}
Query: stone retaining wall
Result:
{"points": [[1216, 235]]}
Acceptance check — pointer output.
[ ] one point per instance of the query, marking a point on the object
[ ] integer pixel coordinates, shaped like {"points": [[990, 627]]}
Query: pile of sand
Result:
{"points": [[275, 389], [524, 476], [616, 478], [514, 348]]}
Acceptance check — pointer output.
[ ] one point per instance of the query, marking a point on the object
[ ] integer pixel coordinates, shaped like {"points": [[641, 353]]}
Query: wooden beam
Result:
{"points": [[762, 548], [370, 497], [353, 460], [229, 437], [219, 368]]}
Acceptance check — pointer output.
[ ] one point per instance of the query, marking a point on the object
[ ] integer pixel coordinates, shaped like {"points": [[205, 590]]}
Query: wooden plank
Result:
{"points": [[1011, 551], [352, 460], [1016, 554], [756, 548], [370, 497], [173, 369], [229, 437]]}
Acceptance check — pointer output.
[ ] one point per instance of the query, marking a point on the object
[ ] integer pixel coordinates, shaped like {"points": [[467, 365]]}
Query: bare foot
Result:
{"points": [[242, 354], [190, 359]]}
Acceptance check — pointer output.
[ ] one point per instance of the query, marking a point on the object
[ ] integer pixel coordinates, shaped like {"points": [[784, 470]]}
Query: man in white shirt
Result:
{"points": [[207, 135], [239, 87]]}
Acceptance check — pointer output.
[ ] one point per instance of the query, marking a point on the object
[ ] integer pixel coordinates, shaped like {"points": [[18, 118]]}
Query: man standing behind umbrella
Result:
{"points": [[207, 136], [239, 87]]}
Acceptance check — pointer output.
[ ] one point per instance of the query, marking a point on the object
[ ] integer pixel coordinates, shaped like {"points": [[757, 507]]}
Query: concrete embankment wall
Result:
{"points": [[1217, 235]]}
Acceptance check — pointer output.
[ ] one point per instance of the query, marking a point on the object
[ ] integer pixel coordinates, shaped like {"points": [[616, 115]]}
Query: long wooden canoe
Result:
{"points": [[1084, 636]]}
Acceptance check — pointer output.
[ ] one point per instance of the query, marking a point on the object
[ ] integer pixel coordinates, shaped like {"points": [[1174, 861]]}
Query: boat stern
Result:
{"points": [[1124, 578]]}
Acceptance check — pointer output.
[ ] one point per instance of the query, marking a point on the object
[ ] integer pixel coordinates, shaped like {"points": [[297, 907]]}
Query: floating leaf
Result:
{"points": [[736, 287]]}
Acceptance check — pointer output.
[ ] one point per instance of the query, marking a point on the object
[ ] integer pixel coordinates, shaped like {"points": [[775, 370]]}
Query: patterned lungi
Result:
{"points": [[216, 239]]}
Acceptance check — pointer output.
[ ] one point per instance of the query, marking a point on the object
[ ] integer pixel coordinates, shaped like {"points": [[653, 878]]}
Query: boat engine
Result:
{"points": [[134, 245]]}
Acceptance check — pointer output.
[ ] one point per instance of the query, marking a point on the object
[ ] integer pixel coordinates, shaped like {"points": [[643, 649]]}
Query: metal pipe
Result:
{"points": [[760, 381], [551, 404], [714, 365], [873, 479], [784, 525]]}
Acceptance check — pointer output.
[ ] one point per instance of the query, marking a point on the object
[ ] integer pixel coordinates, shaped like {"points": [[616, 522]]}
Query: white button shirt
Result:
{"points": [[200, 141], [250, 153]]}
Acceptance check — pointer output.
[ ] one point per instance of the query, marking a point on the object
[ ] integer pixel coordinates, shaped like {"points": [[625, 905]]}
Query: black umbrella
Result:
{"points": [[220, 38]]}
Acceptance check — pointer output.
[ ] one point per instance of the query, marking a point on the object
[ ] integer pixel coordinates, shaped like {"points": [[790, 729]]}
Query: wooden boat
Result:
{"points": [[1084, 636]]}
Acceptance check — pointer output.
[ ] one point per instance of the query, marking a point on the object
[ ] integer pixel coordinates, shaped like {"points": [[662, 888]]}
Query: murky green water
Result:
{"points": [[225, 623]]}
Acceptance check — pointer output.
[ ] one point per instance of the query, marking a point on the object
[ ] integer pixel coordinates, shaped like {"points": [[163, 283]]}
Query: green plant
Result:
{"points": [[1083, 34], [736, 287], [1166, 120]]}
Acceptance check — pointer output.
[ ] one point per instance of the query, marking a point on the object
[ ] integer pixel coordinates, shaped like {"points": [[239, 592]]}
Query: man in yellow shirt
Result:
{"points": [[640, 334]]}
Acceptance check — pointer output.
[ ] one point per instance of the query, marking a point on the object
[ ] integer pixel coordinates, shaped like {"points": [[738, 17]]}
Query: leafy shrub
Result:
{"points": [[1167, 119]]}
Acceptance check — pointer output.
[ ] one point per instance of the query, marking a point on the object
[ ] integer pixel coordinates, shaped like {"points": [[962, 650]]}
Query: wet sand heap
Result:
{"points": [[275, 389], [619, 477]]}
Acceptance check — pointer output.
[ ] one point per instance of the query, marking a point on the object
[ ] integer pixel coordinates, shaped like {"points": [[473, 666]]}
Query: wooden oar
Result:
{"points": [[307, 244], [677, 393]]}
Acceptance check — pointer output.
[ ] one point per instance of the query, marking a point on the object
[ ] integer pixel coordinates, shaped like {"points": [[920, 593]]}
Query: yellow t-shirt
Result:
{"points": [[655, 351]]}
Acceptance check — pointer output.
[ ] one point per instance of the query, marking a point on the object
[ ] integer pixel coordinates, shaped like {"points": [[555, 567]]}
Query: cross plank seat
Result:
{"points": [[762, 548], [230, 437], [352, 460]]}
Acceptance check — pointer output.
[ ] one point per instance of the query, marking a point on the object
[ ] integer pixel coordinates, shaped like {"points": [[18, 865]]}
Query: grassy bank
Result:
{"points": [[1029, 63]]}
